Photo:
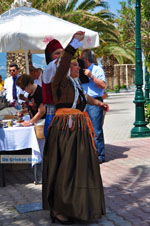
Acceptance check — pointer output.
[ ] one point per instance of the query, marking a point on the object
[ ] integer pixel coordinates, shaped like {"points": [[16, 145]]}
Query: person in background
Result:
{"points": [[35, 108], [36, 74], [11, 89], [1, 84], [72, 185], [53, 51], [95, 88]]}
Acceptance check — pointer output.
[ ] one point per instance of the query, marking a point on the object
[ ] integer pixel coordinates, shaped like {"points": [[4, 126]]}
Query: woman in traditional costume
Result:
{"points": [[72, 185]]}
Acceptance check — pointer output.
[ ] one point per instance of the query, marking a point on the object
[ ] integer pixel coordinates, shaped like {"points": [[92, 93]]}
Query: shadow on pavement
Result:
{"points": [[128, 196], [115, 152]]}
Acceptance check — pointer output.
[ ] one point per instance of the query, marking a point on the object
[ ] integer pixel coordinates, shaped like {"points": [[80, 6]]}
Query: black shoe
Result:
{"points": [[55, 218]]}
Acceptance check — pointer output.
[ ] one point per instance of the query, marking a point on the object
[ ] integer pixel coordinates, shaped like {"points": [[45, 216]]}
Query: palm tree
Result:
{"points": [[122, 49], [5, 5]]}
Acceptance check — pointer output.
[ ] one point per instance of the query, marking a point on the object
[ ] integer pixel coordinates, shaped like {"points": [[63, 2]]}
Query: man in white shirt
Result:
{"points": [[12, 91]]}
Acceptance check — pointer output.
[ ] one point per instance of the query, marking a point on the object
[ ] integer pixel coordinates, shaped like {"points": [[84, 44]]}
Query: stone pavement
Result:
{"points": [[125, 174]]}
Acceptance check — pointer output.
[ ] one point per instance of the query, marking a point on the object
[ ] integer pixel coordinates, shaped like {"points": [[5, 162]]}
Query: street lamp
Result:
{"points": [[140, 129], [147, 100]]}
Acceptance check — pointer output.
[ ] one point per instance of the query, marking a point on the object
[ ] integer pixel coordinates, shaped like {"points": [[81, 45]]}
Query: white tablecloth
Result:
{"points": [[18, 138]]}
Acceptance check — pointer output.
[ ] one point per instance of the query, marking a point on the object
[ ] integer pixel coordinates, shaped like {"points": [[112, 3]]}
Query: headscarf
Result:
{"points": [[50, 48]]}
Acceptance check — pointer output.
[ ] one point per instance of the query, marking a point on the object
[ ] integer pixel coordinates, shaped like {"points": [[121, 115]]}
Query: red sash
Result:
{"points": [[47, 93]]}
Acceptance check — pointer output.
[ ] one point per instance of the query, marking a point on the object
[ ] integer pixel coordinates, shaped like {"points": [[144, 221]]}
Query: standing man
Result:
{"points": [[95, 88], [12, 91]]}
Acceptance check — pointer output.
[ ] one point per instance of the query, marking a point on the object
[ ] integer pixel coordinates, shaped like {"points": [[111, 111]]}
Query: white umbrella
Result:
{"points": [[24, 28]]}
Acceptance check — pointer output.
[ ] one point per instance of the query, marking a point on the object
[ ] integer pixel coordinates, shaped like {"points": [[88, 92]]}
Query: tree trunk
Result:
{"points": [[116, 76], [122, 75], [108, 66]]}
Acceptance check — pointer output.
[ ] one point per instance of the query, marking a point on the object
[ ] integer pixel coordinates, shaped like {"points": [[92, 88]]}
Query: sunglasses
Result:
{"points": [[13, 70]]}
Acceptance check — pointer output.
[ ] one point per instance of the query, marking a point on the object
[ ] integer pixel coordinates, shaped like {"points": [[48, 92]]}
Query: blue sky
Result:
{"points": [[114, 5]]}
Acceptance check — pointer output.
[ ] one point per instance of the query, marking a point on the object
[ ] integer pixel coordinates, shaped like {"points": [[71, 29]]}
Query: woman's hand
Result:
{"points": [[79, 35], [26, 123]]}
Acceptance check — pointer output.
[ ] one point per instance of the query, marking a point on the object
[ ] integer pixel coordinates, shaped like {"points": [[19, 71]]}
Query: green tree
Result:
{"points": [[127, 26], [145, 31], [5, 5]]}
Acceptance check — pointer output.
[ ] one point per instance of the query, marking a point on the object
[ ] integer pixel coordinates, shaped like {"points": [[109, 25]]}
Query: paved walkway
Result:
{"points": [[125, 174]]}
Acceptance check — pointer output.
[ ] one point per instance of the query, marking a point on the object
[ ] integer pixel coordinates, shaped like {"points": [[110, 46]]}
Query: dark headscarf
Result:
{"points": [[50, 48]]}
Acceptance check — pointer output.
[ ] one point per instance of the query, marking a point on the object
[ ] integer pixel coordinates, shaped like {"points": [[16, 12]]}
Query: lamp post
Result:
{"points": [[140, 129], [147, 100]]}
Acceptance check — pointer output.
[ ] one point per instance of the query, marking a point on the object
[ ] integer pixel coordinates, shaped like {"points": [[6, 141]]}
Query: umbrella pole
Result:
{"points": [[27, 62]]}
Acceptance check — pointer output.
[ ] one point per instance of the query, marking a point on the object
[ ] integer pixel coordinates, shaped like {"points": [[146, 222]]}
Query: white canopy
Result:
{"points": [[24, 28]]}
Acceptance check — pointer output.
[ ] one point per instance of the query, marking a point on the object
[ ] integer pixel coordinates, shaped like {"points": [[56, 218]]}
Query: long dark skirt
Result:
{"points": [[72, 183]]}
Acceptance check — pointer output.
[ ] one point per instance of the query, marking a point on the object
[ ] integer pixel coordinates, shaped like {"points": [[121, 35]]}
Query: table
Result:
{"points": [[19, 138]]}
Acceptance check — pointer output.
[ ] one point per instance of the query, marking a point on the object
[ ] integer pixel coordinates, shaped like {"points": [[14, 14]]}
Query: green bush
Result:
{"points": [[110, 90], [123, 87], [116, 88], [147, 113]]}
